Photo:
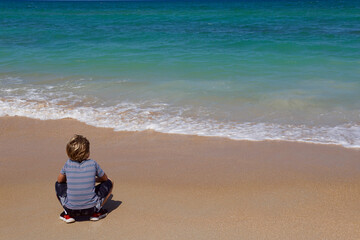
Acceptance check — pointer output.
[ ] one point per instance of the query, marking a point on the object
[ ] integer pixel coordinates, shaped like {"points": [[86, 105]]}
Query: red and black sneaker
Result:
{"points": [[67, 218], [99, 215]]}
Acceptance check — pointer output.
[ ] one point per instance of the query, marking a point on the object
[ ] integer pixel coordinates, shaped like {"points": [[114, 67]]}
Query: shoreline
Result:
{"points": [[277, 139], [171, 186]]}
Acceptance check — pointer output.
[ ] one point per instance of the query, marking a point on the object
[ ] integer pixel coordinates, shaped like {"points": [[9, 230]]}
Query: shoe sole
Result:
{"points": [[71, 220], [98, 218]]}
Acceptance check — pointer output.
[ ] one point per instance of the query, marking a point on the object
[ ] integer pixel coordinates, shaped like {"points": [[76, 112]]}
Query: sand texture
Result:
{"points": [[180, 187]]}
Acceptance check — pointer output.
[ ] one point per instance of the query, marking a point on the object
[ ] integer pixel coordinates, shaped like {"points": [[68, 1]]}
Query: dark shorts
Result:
{"points": [[102, 190]]}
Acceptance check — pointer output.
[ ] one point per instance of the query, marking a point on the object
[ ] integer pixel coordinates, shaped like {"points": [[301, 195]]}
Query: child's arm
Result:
{"points": [[102, 179], [61, 178]]}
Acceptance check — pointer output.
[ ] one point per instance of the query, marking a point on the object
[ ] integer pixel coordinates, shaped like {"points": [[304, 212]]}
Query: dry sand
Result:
{"points": [[180, 187]]}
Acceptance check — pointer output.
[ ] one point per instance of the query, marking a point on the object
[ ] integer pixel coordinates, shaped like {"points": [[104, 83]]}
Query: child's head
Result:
{"points": [[78, 148]]}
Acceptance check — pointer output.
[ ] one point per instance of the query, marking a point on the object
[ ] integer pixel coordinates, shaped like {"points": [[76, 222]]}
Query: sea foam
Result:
{"points": [[162, 117]]}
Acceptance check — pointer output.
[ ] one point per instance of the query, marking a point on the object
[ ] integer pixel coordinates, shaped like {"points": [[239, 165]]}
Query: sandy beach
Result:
{"points": [[179, 186], [216, 120]]}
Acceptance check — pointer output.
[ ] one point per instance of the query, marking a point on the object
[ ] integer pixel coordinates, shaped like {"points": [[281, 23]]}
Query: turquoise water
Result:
{"points": [[256, 70]]}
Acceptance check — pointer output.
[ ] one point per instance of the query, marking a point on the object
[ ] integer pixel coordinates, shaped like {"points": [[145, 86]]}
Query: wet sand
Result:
{"points": [[180, 187]]}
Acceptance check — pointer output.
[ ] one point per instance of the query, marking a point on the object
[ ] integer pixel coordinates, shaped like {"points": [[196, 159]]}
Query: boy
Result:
{"points": [[75, 187]]}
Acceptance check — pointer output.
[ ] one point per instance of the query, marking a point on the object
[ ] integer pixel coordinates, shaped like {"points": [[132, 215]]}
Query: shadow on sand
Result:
{"points": [[111, 204]]}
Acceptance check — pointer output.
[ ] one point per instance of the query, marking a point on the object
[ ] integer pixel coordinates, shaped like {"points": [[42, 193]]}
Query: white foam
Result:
{"points": [[55, 102], [161, 117]]}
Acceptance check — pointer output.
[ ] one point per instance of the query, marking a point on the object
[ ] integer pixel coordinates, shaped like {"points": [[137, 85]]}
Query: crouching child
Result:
{"points": [[76, 186]]}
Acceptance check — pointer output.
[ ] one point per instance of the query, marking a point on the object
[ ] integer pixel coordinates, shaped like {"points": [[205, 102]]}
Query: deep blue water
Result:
{"points": [[286, 70]]}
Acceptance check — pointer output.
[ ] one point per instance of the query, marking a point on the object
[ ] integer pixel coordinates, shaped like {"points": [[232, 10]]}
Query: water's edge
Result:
{"points": [[343, 135]]}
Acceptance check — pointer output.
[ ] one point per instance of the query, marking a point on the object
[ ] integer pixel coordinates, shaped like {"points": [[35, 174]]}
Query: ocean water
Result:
{"points": [[255, 70]]}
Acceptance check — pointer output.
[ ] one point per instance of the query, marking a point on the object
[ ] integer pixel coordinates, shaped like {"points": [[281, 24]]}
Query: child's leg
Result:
{"points": [[61, 194], [103, 190]]}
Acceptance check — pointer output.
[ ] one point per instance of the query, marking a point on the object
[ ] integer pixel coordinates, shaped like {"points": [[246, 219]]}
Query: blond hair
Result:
{"points": [[78, 148]]}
